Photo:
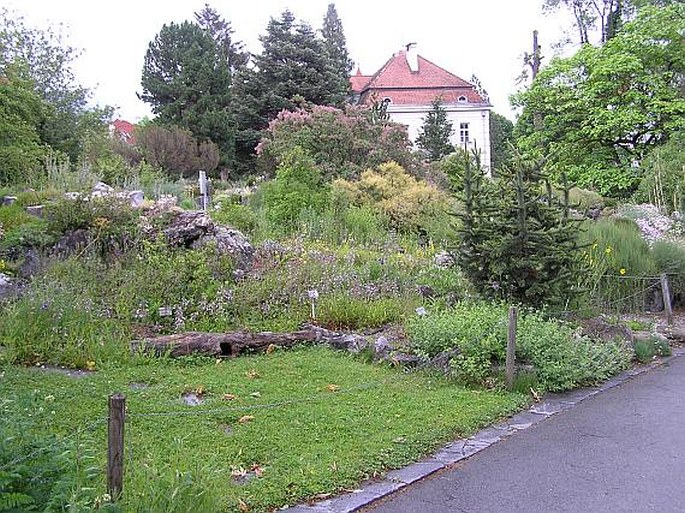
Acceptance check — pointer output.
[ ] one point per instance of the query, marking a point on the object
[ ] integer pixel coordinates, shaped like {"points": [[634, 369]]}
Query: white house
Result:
{"points": [[409, 84]]}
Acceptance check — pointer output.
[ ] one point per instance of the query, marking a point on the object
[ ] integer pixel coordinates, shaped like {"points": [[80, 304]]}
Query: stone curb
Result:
{"points": [[454, 452]]}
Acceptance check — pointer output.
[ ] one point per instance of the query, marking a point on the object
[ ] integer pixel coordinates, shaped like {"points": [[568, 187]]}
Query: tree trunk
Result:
{"points": [[233, 344]]}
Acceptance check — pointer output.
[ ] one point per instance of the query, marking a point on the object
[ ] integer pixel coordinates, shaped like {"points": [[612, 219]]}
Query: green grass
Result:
{"points": [[319, 441]]}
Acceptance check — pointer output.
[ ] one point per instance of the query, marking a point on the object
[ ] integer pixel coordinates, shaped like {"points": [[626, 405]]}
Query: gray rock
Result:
{"points": [[230, 242], [444, 259], [136, 198], [7, 288], [598, 328], [442, 361], [406, 359], [35, 210], [72, 242], [425, 291], [8, 200], [101, 189], [348, 342], [186, 228], [382, 348]]}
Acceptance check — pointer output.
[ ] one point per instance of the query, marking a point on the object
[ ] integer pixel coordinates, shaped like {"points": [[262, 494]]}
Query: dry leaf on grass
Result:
{"points": [[242, 506], [256, 394], [252, 374], [535, 394], [270, 349], [229, 397], [332, 387], [257, 469], [245, 419]]}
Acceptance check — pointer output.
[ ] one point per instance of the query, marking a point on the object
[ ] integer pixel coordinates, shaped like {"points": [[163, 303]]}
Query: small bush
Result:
{"points": [[33, 234], [479, 331], [341, 312], [614, 253], [239, 216], [297, 186], [644, 350], [13, 216], [411, 205]]}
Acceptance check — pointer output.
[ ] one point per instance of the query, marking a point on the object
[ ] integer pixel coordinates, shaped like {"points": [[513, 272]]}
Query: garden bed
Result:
{"points": [[269, 430]]}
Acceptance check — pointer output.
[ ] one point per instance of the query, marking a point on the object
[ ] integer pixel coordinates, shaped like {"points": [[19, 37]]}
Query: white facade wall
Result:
{"points": [[476, 116]]}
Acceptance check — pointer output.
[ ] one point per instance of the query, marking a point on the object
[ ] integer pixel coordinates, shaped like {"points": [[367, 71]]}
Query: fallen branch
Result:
{"points": [[233, 344]]}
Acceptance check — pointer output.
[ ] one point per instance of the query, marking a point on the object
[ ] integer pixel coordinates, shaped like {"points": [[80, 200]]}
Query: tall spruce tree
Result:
{"points": [[294, 67], [336, 47], [434, 136]]}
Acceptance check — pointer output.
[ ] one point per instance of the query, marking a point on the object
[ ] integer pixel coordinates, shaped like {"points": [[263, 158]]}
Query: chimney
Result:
{"points": [[412, 57]]}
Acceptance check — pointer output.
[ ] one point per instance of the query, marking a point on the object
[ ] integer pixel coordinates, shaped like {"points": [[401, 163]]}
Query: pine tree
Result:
{"points": [[434, 136], [189, 85], [516, 242], [336, 48]]}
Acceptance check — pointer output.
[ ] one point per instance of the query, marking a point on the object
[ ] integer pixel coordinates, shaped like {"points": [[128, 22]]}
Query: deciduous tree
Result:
{"points": [[604, 108]]}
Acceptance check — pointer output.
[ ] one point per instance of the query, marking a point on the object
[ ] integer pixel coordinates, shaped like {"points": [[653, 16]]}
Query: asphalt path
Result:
{"points": [[622, 450]]}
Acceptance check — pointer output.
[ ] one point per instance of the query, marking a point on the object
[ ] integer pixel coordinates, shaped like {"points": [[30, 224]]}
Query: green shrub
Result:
{"points": [[39, 197], [669, 257], [644, 350], [51, 324], [239, 216], [347, 224], [479, 330], [112, 221], [297, 186], [410, 205], [583, 199], [13, 216], [33, 234]]}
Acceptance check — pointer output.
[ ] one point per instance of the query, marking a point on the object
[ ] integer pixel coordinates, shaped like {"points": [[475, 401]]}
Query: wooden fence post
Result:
{"points": [[666, 293], [510, 368], [115, 445]]}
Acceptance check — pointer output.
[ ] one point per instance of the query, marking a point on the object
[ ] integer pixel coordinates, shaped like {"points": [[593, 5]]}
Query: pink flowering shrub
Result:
{"points": [[653, 224], [342, 143]]}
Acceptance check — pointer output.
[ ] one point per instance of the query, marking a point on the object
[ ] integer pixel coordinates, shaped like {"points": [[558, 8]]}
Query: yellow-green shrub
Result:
{"points": [[411, 205]]}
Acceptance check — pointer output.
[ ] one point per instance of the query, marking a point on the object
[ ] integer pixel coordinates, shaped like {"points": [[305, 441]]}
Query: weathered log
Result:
{"points": [[222, 344]]}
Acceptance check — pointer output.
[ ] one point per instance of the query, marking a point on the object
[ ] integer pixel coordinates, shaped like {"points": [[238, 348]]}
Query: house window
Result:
{"points": [[464, 133]]}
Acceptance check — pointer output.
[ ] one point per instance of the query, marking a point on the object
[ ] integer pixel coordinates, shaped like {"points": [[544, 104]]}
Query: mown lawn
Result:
{"points": [[322, 421]]}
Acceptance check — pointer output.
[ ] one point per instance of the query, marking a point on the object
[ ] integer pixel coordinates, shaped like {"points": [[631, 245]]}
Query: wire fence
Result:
{"points": [[614, 294]]}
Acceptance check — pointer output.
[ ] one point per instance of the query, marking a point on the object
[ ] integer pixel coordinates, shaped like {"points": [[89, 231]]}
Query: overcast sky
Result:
{"points": [[485, 37]]}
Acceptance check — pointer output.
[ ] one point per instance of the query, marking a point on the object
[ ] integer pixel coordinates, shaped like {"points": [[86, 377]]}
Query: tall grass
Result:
{"points": [[615, 253], [670, 258]]}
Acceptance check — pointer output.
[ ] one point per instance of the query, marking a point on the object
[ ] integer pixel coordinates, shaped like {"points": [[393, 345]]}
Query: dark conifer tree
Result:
{"points": [[434, 136]]}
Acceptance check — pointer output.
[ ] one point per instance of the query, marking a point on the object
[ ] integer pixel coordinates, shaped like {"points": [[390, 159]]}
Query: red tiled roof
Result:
{"points": [[359, 81], [124, 129], [396, 81]]}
